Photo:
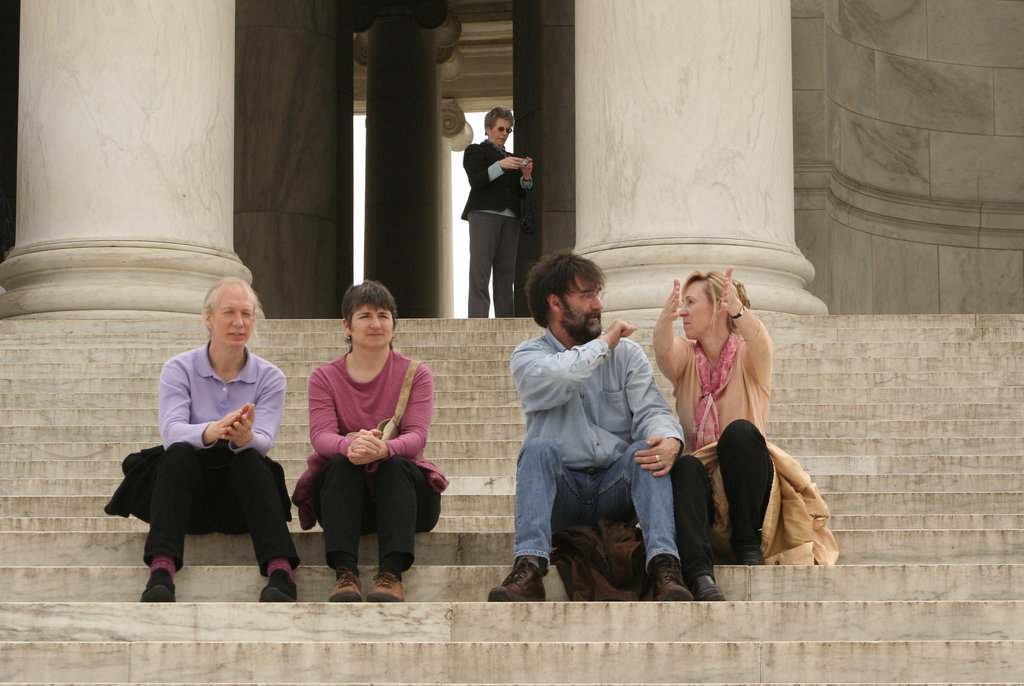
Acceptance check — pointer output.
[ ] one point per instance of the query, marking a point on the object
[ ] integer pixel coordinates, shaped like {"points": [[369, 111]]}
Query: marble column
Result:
{"points": [[684, 139], [126, 119], [926, 113], [456, 134], [545, 101], [286, 129], [402, 245], [8, 107]]}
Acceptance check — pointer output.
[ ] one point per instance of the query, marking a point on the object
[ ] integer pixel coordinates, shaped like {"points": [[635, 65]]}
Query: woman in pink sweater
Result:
{"points": [[357, 482]]}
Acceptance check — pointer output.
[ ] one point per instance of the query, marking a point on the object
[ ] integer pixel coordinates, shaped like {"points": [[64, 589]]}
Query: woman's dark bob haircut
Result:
{"points": [[372, 293]]}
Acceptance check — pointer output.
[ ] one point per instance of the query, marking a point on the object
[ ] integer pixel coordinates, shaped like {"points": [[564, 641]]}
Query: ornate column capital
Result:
{"points": [[429, 14], [454, 126], [449, 63]]}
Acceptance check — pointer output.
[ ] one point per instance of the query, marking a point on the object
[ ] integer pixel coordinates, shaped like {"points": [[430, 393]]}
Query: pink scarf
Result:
{"points": [[712, 384]]}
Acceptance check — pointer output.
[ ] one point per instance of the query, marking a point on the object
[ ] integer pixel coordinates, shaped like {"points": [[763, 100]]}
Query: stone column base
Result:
{"points": [[637, 275], [115, 280]]}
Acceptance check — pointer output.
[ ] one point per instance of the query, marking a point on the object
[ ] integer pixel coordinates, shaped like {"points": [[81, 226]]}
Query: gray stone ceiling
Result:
{"points": [[485, 77]]}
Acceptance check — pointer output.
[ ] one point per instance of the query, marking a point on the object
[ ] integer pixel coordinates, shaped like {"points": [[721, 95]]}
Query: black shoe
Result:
{"points": [[749, 556], [160, 588], [705, 588], [279, 589]]}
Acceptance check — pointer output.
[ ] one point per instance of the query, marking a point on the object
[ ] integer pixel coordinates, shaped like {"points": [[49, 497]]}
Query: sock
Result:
{"points": [[394, 563], [280, 563], [338, 561], [161, 561]]}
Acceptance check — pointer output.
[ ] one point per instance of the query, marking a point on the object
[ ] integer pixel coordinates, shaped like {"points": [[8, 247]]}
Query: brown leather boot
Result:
{"points": [[525, 583], [668, 579], [387, 588], [347, 589]]}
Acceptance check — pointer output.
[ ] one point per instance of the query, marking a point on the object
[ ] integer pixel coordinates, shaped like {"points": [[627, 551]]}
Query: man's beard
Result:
{"points": [[578, 325]]}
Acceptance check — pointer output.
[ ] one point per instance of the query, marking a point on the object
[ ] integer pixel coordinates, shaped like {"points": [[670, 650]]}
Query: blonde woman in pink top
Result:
{"points": [[721, 373], [357, 482]]}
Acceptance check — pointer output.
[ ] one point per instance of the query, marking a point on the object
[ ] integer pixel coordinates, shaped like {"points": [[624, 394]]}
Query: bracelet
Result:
{"points": [[743, 308]]}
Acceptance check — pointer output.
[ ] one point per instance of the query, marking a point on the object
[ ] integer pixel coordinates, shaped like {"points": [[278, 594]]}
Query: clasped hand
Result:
{"points": [[234, 426], [367, 446]]}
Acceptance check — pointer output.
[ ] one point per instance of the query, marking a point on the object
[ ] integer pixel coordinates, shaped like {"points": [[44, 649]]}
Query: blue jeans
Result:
{"points": [[551, 497]]}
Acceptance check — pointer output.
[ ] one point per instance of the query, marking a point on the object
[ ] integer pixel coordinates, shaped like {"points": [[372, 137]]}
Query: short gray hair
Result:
{"points": [[499, 113], [215, 289]]}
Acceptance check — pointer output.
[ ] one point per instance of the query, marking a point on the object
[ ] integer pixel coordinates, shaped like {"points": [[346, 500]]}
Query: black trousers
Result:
{"points": [[747, 474], [202, 491], [401, 503]]}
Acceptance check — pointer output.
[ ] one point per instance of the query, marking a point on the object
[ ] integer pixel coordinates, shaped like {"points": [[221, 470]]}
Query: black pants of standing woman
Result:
{"points": [[214, 489], [747, 474], [395, 502]]}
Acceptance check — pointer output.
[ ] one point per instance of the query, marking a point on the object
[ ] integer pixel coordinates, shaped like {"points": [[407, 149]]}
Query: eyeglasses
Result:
{"points": [[589, 295], [502, 129]]}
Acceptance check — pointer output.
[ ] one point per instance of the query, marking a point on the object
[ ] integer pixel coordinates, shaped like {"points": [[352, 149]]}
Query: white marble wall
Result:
{"points": [[685, 148], [926, 111], [124, 157]]}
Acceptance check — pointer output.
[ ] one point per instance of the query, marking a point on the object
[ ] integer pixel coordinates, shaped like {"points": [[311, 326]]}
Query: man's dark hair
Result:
{"points": [[559, 273]]}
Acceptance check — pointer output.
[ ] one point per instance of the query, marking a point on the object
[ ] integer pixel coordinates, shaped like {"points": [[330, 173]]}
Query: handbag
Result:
{"points": [[526, 220], [389, 427]]}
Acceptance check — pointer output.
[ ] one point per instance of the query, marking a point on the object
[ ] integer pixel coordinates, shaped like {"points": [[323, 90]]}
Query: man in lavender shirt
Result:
{"points": [[220, 408]]}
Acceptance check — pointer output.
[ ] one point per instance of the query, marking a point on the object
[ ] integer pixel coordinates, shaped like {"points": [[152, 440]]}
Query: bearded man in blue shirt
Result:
{"points": [[600, 438]]}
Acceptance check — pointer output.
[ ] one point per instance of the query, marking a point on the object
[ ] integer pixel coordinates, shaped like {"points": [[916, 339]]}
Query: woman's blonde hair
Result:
{"points": [[714, 288]]}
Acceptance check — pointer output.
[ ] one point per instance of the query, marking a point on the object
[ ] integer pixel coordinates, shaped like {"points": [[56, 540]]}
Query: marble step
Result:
{"points": [[104, 459], [505, 485], [731, 621], [855, 434], [472, 346], [114, 362], [459, 485], [520, 662], [779, 319], [506, 523], [92, 505], [147, 398], [575, 683], [861, 546], [497, 406], [446, 523], [509, 423], [85, 380], [470, 583], [894, 504], [106, 462], [101, 378], [838, 327]]}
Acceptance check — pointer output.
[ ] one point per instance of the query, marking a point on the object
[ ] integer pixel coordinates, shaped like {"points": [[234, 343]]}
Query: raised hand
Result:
{"points": [[671, 311], [619, 329], [730, 302]]}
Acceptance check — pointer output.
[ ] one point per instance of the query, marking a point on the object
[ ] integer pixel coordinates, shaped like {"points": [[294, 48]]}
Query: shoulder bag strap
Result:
{"points": [[403, 397]]}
